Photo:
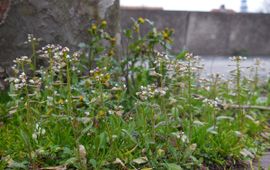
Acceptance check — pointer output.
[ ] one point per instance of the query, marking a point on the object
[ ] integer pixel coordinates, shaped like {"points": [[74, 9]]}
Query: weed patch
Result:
{"points": [[94, 109]]}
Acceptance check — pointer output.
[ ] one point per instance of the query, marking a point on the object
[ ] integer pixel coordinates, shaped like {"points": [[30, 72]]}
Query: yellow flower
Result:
{"points": [[113, 41], [81, 98], [61, 101], [160, 152], [141, 20], [136, 28], [103, 24], [111, 53], [94, 27], [107, 77], [101, 113], [165, 35]]}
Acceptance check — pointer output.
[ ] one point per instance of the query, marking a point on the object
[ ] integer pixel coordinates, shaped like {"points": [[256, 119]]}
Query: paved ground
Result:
{"points": [[263, 163], [223, 65]]}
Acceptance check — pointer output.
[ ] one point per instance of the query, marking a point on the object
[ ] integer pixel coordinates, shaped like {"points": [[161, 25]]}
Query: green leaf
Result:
{"points": [[128, 33], [102, 140], [225, 118], [172, 166], [93, 162], [181, 55], [71, 161], [25, 138], [18, 165], [84, 131], [129, 135]]}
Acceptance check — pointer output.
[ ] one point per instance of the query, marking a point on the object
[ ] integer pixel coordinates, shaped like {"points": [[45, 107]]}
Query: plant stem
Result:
{"points": [[34, 56], [189, 98]]}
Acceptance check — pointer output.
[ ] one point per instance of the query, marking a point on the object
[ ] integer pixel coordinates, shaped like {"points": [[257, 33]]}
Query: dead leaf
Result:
{"points": [[141, 160], [62, 167], [119, 161]]}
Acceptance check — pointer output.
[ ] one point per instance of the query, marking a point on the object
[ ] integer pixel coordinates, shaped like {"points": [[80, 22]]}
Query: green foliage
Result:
{"points": [[147, 110]]}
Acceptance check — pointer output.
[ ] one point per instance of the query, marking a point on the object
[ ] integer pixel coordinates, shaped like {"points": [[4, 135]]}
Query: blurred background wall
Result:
{"points": [[219, 32], [210, 33]]}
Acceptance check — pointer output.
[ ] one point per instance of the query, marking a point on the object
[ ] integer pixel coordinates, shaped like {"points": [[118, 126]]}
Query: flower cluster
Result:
{"points": [[211, 81], [100, 75], [53, 54], [179, 68], [151, 91], [31, 39], [182, 136], [118, 110], [58, 57], [213, 103], [20, 82], [22, 60], [38, 132], [237, 58], [49, 49], [153, 73], [35, 82], [23, 81], [20, 64], [119, 87]]}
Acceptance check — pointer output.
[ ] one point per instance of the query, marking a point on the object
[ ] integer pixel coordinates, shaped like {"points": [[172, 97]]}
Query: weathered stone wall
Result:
{"points": [[62, 22], [206, 33], [4, 8]]}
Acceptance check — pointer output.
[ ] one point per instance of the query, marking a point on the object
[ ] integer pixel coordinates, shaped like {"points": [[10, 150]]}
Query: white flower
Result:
{"points": [[238, 134], [151, 91], [31, 81], [34, 136], [193, 147], [38, 132], [82, 151], [237, 58], [184, 137], [65, 49], [16, 80], [22, 59]]}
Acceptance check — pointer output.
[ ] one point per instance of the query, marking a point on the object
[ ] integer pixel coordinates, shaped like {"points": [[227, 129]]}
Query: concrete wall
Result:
{"points": [[63, 22], [206, 33]]}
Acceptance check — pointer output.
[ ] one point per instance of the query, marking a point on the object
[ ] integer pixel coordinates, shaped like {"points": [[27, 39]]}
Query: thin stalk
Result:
{"points": [[91, 56], [70, 110], [238, 90], [153, 124], [34, 56], [214, 93], [69, 92], [189, 98], [28, 121]]}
